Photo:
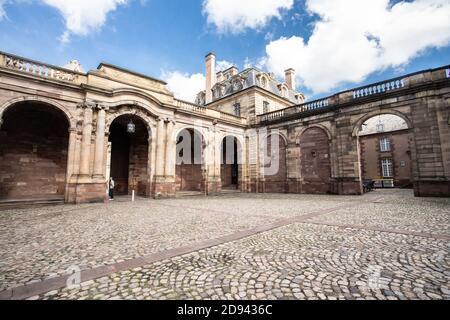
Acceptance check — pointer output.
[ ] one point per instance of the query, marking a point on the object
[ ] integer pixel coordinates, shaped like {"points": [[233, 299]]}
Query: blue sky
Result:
{"points": [[329, 47]]}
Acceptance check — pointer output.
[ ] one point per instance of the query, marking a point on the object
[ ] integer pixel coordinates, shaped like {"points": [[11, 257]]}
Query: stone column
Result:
{"points": [[100, 143], [169, 169], [86, 141], [160, 149]]}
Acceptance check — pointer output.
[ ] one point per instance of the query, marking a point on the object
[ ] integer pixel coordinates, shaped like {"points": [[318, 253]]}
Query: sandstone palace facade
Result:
{"points": [[64, 132]]}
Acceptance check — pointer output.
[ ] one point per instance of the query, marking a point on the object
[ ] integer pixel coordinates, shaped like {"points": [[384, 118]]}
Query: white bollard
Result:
{"points": [[132, 196]]}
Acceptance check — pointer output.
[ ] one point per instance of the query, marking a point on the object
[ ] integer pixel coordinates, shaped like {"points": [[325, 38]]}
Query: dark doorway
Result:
{"points": [[129, 156], [34, 140], [229, 163]]}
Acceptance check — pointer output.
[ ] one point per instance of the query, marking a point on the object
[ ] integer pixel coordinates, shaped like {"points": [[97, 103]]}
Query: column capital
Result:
{"points": [[87, 105], [168, 120], [102, 107]]}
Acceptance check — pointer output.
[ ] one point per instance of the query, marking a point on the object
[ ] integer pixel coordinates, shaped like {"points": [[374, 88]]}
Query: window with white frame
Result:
{"points": [[385, 145], [387, 168]]}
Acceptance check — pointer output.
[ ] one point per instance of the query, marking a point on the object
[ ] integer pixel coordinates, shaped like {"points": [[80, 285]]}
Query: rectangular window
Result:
{"points": [[385, 145], [387, 167], [265, 107], [237, 109]]}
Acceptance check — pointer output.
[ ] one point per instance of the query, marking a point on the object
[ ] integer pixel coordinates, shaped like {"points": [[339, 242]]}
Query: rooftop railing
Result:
{"points": [[39, 69], [194, 108], [302, 108], [378, 88]]}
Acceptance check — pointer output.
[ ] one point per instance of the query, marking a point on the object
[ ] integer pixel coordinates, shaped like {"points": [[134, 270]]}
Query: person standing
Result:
{"points": [[111, 186]]}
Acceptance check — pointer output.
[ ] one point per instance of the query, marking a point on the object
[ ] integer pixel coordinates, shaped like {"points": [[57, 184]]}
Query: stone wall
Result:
{"points": [[319, 148]]}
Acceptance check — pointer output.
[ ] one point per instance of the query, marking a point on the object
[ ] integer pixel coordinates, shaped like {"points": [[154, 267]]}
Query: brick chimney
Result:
{"points": [[290, 78], [210, 61]]}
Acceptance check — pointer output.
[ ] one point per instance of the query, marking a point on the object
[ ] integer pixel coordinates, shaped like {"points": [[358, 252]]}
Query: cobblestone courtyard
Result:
{"points": [[383, 245]]}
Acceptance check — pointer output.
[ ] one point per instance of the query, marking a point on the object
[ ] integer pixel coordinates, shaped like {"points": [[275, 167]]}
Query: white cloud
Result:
{"points": [[237, 15], [223, 65], [185, 86], [347, 44], [83, 16]]}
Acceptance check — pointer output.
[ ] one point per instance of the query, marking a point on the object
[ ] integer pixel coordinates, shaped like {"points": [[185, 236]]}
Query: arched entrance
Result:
{"points": [[385, 146], [315, 161], [231, 163], [275, 169], [189, 161], [34, 138], [129, 165]]}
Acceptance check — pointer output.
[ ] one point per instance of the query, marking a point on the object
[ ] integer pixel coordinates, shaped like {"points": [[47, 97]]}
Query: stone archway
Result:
{"points": [[129, 156], [315, 163], [231, 165], [34, 141], [386, 146], [189, 171]]}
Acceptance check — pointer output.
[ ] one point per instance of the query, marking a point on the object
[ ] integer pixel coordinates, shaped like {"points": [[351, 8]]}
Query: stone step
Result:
{"points": [[32, 202], [184, 194]]}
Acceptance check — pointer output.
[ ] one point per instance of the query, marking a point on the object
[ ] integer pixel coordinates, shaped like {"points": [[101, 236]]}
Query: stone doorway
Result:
{"points": [[231, 166], [129, 159], [34, 140]]}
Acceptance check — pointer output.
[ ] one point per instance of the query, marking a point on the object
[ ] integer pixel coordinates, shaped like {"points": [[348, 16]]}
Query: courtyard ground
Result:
{"points": [[383, 245]]}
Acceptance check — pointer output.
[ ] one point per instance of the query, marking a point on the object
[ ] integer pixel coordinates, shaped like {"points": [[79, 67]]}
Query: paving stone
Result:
{"points": [[306, 259]]}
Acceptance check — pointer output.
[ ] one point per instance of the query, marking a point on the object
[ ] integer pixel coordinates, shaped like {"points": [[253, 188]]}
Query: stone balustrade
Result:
{"points": [[39, 69], [190, 107], [379, 88], [194, 108], [272, 115], [309, 106]]}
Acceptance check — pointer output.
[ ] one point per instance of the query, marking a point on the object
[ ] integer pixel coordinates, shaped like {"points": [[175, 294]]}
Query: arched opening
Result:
{"points": [[315, 161], [189, 161], [231, 164], [275, 169], [34, 140], [385, 145], [129, 150]]}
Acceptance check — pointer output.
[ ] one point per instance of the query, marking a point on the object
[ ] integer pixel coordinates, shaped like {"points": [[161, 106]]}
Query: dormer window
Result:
{"points": [[283, 90], [237, 85], [264, 82]]}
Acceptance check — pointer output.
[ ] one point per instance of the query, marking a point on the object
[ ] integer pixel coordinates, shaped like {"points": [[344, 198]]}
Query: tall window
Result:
{"points": [[237, 109], [385, 145], [265, 107], [387, 168]]}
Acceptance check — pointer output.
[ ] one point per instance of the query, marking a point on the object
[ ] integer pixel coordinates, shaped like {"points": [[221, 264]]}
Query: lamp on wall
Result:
{"points": [[131, 127]]}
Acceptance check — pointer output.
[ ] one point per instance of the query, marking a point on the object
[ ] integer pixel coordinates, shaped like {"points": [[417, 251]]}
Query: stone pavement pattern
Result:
{"points": [[320, 258]]}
